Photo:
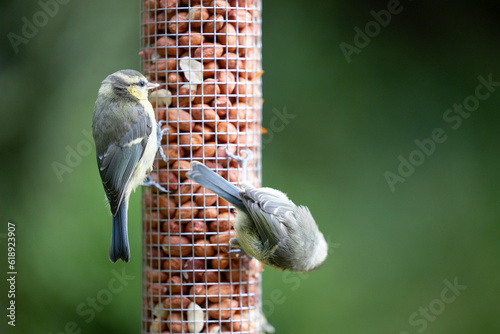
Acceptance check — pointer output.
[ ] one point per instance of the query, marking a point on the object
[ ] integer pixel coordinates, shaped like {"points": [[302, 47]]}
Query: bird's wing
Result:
{"points": [[270, 210], [118, 162]]}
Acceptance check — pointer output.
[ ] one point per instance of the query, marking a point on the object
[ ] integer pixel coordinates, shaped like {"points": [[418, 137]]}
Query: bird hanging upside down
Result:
{"points": [[268, 226]]}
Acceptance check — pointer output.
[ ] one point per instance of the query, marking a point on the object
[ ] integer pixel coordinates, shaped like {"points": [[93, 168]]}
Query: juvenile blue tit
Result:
{"points": [[268, 225], [124, 130]]}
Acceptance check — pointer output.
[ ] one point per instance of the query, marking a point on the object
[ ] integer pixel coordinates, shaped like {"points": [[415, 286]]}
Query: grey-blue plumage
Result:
{"points": [[124, 130], [268, 225], [119, 248], [116, 166]]}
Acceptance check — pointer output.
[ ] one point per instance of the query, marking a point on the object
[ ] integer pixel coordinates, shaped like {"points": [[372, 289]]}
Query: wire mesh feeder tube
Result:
{"points": [[207, 58]]}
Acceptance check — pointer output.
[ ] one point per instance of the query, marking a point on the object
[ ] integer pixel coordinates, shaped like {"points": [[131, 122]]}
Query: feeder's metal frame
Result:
{"points": [[245, 162]]}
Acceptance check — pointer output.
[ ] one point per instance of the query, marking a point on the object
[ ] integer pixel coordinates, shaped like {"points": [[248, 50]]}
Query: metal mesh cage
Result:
{"points": [[206, 55]]}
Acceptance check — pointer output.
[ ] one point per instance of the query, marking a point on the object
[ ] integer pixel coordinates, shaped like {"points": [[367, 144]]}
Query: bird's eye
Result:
{"points": [[142, 83]]}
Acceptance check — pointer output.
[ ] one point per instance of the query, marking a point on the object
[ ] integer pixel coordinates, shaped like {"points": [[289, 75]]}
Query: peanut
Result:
{"points": [[240, 324], [186, 212], [159, 311], [218, 6], [181, 167], [173, 152], [240, 17], [206, 92], [245, 294], [214, 23], [150, 4], [202, 249], [198, 293], [166, 205], [195, 318], [223, 224], [193, 270], [176, 302], [207, 133], [174, 80], [223, 310], [155, 276], [179, 119], [227, 36], [220, 262], [166, 45], [222, 240], [157, 291], [197, 228], [208, 51], [226, 81], [160, 20], [245, 90], [206, 151], [238, 115], [153, 238], [178, 23], [191, 141], [210, 277], [192, 39], [205, 197], [168, 4], [221, 104], [187, 188], [176, 324], [207, 213], [231, 61], [157, 326], [203, 112], [184, 96], [172, 264], [216, 293], [176, 246], [197, 15], [175, 285], [209, 69], [172, 226], [227, 132], [246, 38]]}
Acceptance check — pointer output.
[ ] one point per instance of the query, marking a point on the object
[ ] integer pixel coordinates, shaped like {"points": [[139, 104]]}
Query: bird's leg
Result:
{"points": [[237, 248], [149, 182], [242, 160], [160, 133]]}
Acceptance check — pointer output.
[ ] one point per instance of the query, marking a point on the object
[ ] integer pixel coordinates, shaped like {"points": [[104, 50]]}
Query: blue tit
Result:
{"points": [[125, 135], [268, 225]]}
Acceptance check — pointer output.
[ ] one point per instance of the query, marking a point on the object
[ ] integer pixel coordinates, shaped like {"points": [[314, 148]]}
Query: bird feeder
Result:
{"points": [[206, 56]]}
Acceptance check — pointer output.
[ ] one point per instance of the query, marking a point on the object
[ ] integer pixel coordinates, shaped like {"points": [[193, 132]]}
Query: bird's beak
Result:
{"points": [[152, 85]]}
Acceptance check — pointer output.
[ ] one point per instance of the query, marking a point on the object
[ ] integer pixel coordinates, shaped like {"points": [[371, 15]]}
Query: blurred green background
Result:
{"points": [[391, 250]]}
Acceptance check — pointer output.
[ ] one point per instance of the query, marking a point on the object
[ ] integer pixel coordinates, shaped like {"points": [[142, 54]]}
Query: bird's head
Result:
{"points": [[128, 84]]}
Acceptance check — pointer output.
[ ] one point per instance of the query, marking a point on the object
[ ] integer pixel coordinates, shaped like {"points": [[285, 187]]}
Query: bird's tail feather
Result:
{"points": [[119, 248], [216, 183]]}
